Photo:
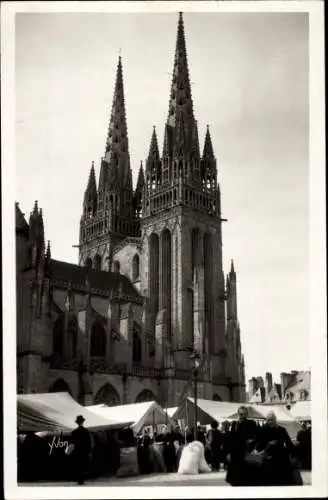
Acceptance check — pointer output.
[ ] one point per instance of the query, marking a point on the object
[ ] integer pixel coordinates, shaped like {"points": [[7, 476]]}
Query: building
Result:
{"points": [[294, 386], [149, 290]]}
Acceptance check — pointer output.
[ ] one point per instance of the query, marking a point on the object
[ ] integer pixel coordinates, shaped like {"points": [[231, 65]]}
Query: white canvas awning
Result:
{"points": [[140, 414], [218, 410], [284, 417], [207, 411], [56, 412], [172, 411], [301, 410]]}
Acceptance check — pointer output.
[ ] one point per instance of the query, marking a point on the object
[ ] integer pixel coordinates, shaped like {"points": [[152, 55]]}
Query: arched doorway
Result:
{"points": [[108, 395], [145, 395], [60, 386]]}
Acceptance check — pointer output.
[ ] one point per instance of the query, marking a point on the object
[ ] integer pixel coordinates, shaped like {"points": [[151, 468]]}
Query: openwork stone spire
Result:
{"points": [[91, 190], [116, 162], [180, 98], [153, 154], [109, 214], [208, 148], [181, 176], [232, 270]]}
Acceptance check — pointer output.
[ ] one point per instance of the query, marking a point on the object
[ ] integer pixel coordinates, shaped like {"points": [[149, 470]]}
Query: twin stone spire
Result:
{"points": [[180, 158]]}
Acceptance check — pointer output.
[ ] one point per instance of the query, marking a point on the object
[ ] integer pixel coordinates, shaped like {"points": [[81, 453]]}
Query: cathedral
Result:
{"points": [[148, 302]]}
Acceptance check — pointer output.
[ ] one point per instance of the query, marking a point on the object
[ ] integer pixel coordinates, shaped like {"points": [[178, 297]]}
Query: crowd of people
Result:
{"points": [[250, 453]]}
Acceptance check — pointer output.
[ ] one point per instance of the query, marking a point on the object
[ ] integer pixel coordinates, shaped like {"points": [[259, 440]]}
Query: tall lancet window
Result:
{"points": [[58, 336], [135, 268], [72, 333], [97, 262], [136, 344], [154, 276], [166, 277], [98, 340], [208, 281]]}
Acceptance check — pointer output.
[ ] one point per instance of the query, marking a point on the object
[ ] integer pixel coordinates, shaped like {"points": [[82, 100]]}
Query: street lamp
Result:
{"points": [[195, 357]]}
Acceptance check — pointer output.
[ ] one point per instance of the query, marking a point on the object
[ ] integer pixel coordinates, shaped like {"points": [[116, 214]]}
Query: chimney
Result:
{"points": [[286, 379], [260, 382], [252, 386], [268, 383]]}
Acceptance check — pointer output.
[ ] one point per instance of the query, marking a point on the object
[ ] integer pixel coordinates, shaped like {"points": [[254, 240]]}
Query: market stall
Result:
{"points": [[207, 411], [56, 413], [45, 423], [140, 415]]}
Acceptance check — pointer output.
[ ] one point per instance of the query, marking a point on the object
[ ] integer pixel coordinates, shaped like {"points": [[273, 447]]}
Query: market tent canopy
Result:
{"points": [[284, 418], [301, 410], [172, 411], [139, 414], [56, 412], [207, 411]]}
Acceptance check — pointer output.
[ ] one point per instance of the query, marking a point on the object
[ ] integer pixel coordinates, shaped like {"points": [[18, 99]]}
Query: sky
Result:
{"points": [[249, 74]]}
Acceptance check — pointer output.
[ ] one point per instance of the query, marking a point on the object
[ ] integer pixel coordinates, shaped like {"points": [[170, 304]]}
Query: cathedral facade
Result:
{"points": [[149, 294]]}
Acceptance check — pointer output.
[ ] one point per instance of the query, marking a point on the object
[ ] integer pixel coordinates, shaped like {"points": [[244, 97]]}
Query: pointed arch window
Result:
{"points": [[98, 341], [88, 262], [136, 344], [58, 336], [108, 395], [135, 267], [145, 395]]}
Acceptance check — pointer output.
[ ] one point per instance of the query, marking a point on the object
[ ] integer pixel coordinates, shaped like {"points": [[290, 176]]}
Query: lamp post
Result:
{"points": [[195, 357]]}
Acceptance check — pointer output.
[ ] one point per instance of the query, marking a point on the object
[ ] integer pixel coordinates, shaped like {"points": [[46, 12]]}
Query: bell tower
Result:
{"points": [[181, 230], [109, 211]]}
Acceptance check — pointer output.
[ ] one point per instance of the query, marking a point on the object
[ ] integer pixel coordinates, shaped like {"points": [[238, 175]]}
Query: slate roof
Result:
{"points": [[99, 280], [21, 224]]}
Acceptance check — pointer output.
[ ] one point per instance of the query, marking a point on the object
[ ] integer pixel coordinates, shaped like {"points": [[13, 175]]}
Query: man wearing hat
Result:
{"points": [[81, 452]]}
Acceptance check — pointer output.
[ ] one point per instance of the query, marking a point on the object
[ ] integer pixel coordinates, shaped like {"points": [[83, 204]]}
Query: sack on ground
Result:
{"points": [[189, 461]]}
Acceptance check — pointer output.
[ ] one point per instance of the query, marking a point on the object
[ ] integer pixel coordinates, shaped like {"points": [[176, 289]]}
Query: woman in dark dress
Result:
{"points": [[274, 443], [213, 447], [169, 453]]}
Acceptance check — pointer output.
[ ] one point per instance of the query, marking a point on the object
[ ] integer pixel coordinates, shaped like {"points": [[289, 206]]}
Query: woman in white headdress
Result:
{"points": [[274, 443]]}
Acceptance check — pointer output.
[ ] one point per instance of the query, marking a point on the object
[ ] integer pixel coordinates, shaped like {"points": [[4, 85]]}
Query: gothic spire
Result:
{"points": [[141, 178], [48, 252], [180, 98], [208, 148], [138, 194], [36, 234], [195, 140], [232, 270], [153, 155], [92, 184], [117, 146], [90, 195]]}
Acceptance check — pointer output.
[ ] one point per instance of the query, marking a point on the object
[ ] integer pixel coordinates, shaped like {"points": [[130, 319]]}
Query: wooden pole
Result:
{"points": [[195, 403]]}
